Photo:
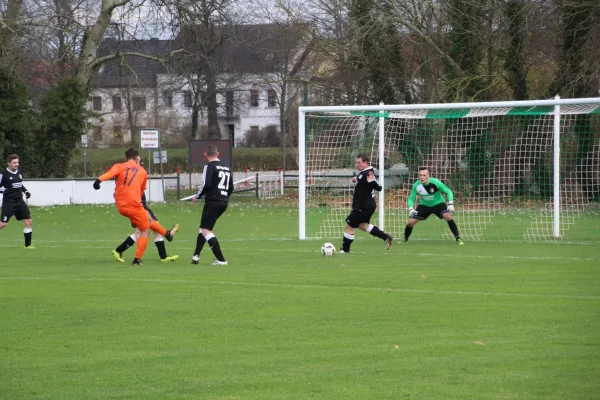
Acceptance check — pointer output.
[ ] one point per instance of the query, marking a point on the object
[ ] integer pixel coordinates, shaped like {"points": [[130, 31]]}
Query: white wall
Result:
{"points": [[81, 191], [179, 116]]}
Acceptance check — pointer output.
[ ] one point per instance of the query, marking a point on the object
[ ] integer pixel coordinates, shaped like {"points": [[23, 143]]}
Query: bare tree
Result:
{"points": [[72, 31], [202, 27]]}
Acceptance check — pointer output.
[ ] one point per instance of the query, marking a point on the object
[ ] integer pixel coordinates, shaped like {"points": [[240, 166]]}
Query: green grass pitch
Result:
{"points": [[424, 320]]}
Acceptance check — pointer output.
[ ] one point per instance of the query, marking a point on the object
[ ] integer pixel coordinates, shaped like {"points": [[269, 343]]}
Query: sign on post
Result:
{"points": [[149, 139], [162, 158], [84, 142]]}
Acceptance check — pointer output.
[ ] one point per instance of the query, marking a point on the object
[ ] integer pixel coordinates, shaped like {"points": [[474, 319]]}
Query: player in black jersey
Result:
{"points": [[217, 185], [363, 205], [159, 240], [12, 202]]}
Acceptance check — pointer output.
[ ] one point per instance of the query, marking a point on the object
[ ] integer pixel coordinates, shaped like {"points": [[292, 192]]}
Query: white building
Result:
{"points": [[261, 72]]}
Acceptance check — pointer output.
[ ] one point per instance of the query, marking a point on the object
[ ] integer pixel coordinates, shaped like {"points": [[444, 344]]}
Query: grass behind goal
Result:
{"points": [[426, 320]]}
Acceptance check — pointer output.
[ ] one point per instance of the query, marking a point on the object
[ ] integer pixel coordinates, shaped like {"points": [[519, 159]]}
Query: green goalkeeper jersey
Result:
{"points": [[431, 193]]}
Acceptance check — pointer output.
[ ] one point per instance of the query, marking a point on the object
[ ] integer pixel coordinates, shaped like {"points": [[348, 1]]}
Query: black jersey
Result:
{"points": [[364, 192], [12, 182], [217, 182]]}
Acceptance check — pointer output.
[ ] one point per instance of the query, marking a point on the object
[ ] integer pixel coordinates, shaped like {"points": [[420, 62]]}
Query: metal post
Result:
{"points": [[381, 156], [301, 175], [178, 186], [162, 175], [556, 138], [149, 174], [284, 149], [257, 185], [84, 162]]}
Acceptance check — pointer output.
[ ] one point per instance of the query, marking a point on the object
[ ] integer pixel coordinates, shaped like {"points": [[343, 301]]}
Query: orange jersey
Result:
{"points": [[130, 180]]}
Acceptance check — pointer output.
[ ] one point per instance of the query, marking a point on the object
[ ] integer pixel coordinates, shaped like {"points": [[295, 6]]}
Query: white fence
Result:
{"points": [[57, 192]]}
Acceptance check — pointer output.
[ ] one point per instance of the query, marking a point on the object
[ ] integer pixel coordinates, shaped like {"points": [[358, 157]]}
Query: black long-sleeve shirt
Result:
{"points": [[364, 192]]}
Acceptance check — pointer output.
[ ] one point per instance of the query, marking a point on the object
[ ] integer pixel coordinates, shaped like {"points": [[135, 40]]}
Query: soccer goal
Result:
{"points": [[526, 170]]}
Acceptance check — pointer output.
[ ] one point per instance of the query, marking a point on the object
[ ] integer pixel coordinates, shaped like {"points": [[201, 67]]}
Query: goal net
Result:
{"points": [[518, 170]]}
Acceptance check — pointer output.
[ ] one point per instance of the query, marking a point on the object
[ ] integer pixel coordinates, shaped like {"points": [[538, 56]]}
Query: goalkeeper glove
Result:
{"points": [[27, 194], [451, 206], [97, 184], [412, 213]]}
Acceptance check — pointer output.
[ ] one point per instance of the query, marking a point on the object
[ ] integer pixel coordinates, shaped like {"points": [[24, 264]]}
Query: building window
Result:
{"points": [[139, 103], [272, 99], [229, 103], [116, 100], [187, 98], [97, 133], [117, 132], [97, 103], [168, 98], [254, 130], [254, 98]]}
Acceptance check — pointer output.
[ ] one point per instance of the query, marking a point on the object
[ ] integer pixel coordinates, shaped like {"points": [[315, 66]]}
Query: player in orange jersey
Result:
{"points": [[130, 184]]}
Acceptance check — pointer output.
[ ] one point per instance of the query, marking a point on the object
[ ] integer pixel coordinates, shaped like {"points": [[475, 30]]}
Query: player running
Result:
{"points": [[12, 201], [130, 184], [363, 205], [159, 240], [217, 186]]}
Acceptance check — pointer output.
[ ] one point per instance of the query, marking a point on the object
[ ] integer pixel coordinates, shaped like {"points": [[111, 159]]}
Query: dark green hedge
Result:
{"points": [[260, 159]]}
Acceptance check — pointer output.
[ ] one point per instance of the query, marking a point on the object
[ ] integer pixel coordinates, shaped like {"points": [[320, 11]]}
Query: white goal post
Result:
{"points": [[519, 170]]}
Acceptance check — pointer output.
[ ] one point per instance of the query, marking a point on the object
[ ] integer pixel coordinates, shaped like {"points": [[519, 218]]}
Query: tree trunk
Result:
{"points": [[7, 29], [514, 64], [195, 117], [86, 63], [572, 79], [214, 132]]}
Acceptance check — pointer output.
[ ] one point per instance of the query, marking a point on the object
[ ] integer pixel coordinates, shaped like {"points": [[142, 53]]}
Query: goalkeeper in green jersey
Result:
{"points": [[431, 202]]}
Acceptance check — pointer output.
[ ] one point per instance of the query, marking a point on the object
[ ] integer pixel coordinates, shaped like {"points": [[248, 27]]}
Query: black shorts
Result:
{"points": [[154, 217], [423, 211], [211, 212], [357, 217], [18, 208]]}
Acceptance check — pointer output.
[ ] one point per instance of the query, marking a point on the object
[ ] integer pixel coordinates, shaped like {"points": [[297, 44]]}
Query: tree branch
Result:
{"points": [[398, 15], [101, 60]]}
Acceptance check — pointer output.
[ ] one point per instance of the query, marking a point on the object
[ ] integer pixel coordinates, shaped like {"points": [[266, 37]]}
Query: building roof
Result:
{"points": [[238, 49], [132, 70], [261, 48]]}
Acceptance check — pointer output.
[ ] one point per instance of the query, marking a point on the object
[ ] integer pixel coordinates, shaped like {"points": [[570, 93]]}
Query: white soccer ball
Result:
{"points": [[328, 249]]}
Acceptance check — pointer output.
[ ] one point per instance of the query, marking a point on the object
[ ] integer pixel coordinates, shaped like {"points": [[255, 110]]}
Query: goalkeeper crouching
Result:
{"points": [[431, 202]]}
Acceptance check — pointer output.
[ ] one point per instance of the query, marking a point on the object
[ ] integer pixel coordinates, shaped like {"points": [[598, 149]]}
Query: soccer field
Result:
{"points": [[424, 320]]}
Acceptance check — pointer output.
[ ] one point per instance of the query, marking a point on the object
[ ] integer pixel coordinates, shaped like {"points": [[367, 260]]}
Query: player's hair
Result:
{"points": [[211, 151], [131, 153], [424, 169], [363, 156], [12, 157]]}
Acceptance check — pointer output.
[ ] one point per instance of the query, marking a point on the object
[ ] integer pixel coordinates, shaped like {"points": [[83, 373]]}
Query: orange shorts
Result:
{"points": [[137, 215]]}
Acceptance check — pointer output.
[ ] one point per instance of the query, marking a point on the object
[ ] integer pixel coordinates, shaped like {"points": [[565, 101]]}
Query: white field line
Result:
{"points": [[391, 253], [300, 286], [295, 239]]}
